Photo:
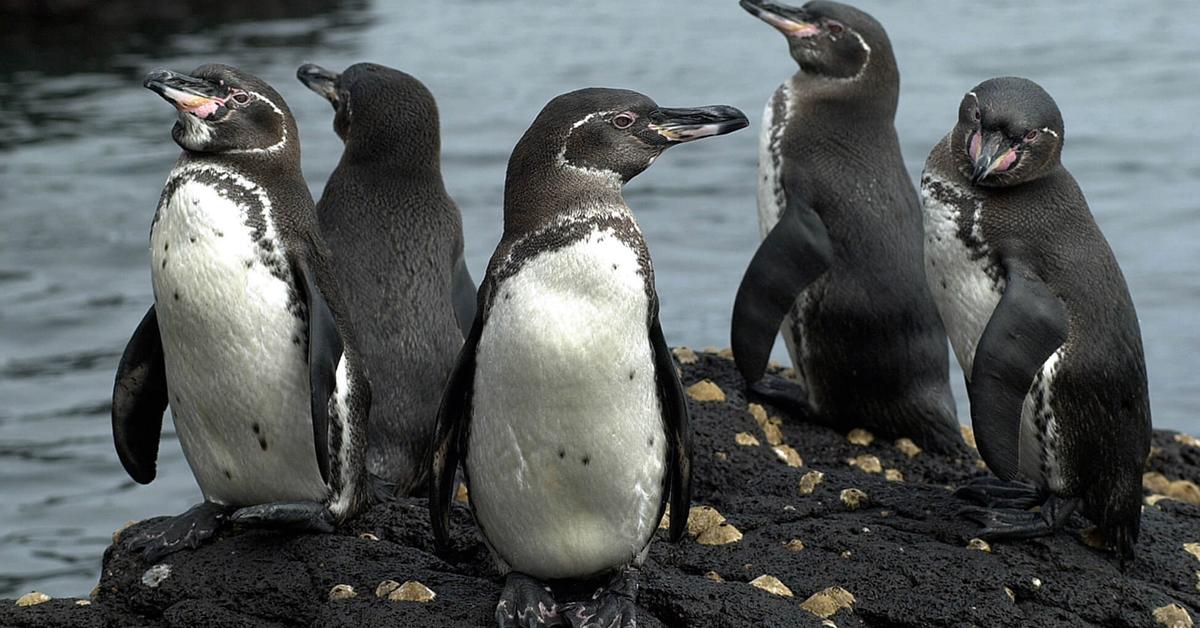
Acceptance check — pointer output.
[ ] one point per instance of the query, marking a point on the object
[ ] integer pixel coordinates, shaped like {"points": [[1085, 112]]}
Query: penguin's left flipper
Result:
{"points": [[325, 349], [449, 435], [139, 400], [794, 254], [1026, 328], [300, 516], [678, 431], [464, 295]]}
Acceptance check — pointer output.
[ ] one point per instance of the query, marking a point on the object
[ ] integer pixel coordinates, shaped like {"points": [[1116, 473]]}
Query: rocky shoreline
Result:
{"points": [[793, 525]]}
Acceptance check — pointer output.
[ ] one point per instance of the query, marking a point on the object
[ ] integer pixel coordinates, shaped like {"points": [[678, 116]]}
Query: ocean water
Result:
{"points": [[84, 151]]}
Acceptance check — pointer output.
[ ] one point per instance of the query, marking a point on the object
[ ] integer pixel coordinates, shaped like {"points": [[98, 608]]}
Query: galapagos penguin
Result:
{"points": [[1040, 319], [840, 265], [565, 406], [397, 242], [245, 340]]}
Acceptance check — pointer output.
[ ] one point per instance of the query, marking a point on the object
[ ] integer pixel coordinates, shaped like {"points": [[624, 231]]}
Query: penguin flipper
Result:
{"points": [[679, 432], [139, 400], [794, 254], [1027, 327], [449, 435], [463, 293], [325, 349]]}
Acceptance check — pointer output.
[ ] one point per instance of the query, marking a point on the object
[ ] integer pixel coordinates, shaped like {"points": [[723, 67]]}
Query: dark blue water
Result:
{"points": [[84, 151]]}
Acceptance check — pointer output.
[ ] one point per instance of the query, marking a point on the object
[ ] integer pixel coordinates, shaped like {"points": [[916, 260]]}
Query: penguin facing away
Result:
{"points": [[565, 406], [245, 340], [840, 265], [1040, 319], [398, 257]]}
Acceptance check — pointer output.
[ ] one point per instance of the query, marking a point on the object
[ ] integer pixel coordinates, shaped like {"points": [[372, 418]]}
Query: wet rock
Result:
{"points": [[905, 560]]}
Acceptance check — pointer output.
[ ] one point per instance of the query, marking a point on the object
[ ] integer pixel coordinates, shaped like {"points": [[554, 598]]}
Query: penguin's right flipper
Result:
{"points": [[464, 296], [796, 252], [325, 349], [449, 435], [139, 400], [1026, 328]]}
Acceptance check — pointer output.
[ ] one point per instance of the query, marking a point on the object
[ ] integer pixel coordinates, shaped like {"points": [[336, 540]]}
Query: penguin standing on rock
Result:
{"points": [[245, 340], [398, 256], [565, 406], [1040, 319], [840, 265]]}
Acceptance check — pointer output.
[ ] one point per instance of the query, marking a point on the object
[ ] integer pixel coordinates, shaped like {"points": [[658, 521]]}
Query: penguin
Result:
{"points": [[398, 256], [565, 405], [840, 265], [1040, 318], [245, 341]]}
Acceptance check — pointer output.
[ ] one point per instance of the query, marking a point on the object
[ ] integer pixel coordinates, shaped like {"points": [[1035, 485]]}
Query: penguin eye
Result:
{"points": [[1031, 135], [977, 115], [241, 98], [835, 27], [623, 120]]}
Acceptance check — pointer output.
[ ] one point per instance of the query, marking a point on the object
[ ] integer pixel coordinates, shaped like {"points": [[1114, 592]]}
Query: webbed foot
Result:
{"points": [[185, 531]]}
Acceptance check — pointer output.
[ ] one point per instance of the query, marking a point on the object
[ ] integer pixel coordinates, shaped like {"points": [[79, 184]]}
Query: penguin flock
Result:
{"points": [[319, 357]]}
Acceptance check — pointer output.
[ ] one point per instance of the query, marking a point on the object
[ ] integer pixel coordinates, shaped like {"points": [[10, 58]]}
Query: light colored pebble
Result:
{"points": [[825, 604], [746, 439], [155, 575], [980, 545], [665, 522], [1193, 549], [1012, 595], [83, 602], [790, 456], [726, 353], [33, 598], [720, 455], [1036, 582], [117, 533], [968, 436], [773, 433], [1187, 439], [771, 584], [367, 536], [908, 447], [794, 545], [720, 534], [846, 554], [854, 498], [705, 390], [685, 355], [758, 412], [701, 518], [341, 592], [893, 475], [1173, 616], [412, 591], [462, 494], [809, 482], [714, 576], [386, 587], [859, 436], [1154, 499], [866, 463]]}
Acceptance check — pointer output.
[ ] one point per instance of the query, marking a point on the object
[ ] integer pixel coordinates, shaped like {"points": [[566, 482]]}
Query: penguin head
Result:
{"points": [[1009, 131], [224, 110], [829, 38], [378, 110], [614, 132]]}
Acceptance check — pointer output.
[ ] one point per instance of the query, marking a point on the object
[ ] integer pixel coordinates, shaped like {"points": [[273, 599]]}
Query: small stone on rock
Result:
{"points": [[83, 602], [1173, 616], [809, 482], [155, 575], [825, 604], [341, 592], [412, 591], [386, 587], [794, 545], [685, 355], [773, 433], [968, 436], [367, 536], [893, 475], [714, 576], [1012, 596], [854, 498], [1154, 499], [705, 390], [788, 455], [117, 533], [771, 584], [907, 447], [979, 544], [665, 522], [720, 455], [701, 518], [866, 463], [759, 413], [720, 534], [33, 598], [859, 436], [462, 494], [845, 554], [1036, 582], [746, 439], [1187, 439], [726, 353], [1193, 549]]}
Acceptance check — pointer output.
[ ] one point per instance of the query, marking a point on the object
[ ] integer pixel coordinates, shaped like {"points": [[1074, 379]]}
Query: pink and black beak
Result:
{"points": [[990, 152], [791, 21], [196, 96]]}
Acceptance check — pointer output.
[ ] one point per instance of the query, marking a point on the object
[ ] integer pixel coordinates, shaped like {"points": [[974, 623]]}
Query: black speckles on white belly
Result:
{"points": [[1040, 442], [237, 376]]}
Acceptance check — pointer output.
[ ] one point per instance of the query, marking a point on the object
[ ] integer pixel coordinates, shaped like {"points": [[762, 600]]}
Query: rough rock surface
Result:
{"points": [[902, 556]]}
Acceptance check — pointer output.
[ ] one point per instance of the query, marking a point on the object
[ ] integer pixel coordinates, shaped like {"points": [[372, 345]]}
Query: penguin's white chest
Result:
{"points": [[958, 276], [567, 447], [771, 196], [233, 344]]}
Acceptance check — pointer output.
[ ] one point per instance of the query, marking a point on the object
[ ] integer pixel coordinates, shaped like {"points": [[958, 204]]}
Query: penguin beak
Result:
{"points": [[790, 21], [989, 154], [684, 125], [192, 95], [321, 81]]}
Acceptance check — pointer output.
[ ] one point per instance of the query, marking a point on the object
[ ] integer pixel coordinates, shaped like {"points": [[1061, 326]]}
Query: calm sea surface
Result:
{"points": [[84, 151]]}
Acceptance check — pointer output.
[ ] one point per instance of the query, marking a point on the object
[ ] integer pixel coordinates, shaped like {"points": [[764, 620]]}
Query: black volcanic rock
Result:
{"points": [[902, 554]]}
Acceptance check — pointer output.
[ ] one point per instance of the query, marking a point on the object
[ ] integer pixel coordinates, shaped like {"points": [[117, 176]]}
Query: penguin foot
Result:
{"points": [[996, 493], [612, 606], [1001, 525], [526, 603], [382, 491], [784, 394], [298, 516], [186, 531]]}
